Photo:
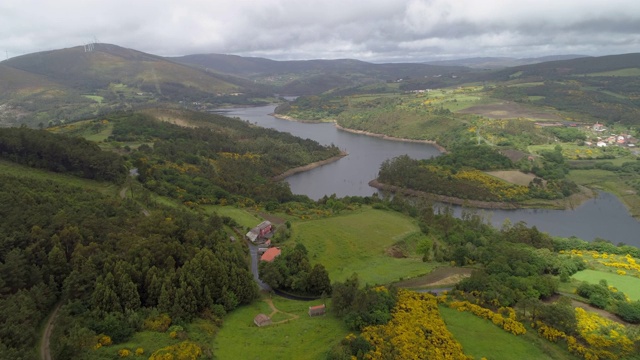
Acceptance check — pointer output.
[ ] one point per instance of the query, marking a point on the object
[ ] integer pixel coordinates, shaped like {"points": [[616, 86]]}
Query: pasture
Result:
{"points": [[481, 338], [361, 242], [302, 337], [629, 285]]}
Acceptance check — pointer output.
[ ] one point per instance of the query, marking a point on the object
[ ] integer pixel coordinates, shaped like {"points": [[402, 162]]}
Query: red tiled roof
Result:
{"points": [[317, 307], [270, 254]]}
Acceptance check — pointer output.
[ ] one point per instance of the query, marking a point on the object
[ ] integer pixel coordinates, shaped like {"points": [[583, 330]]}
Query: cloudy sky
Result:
{"points": [[370, 30]]}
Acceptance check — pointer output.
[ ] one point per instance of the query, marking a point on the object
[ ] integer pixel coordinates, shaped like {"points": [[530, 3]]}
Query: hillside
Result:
{"points": [[95, 70], [306, 77], [500, 62], [69, 84]]}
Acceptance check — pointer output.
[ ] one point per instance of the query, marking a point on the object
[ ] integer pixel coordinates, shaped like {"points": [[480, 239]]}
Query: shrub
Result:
{"points": [[629, 311]]}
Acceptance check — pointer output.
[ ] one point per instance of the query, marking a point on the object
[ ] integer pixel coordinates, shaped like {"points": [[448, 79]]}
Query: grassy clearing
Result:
{"points": [[621, 72], [241, 216], [513, 176], [358, 242], [301, 338], [7, 167], [481, 338], [439, 277], [96, 98], [627, 284]]}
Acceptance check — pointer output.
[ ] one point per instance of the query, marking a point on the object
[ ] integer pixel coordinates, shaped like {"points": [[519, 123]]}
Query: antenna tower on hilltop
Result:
{"points": [[91, 45]]}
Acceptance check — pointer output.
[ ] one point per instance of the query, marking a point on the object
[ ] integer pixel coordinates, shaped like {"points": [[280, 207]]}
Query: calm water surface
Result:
{"points": [[604, 217]]}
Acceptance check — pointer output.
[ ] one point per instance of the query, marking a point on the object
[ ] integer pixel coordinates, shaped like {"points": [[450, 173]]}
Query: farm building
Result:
{"points": [[270, 254], [262, 231], [317, 310], [262, 320]]}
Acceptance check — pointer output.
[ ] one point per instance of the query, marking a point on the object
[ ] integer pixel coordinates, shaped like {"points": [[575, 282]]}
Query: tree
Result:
{"points": [[319, 281], [344, 295]]}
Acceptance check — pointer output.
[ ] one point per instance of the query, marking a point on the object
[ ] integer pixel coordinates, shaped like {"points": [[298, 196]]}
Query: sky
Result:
{"points": [[369, 30]]}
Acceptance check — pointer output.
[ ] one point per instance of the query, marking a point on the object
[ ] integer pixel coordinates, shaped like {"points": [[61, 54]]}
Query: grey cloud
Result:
{"points": [[371, 30]]}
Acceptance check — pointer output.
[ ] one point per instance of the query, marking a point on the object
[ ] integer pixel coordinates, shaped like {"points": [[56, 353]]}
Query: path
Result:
{"points": [[274, 311], [253, 253], [45, 351]]}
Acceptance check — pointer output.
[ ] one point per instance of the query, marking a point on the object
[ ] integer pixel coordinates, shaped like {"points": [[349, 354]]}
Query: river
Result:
{"points": [[601, 217]]}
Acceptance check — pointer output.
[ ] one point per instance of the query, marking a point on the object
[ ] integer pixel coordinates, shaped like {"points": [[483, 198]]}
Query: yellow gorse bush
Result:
{"points": [[508, 323], [415, 331]]}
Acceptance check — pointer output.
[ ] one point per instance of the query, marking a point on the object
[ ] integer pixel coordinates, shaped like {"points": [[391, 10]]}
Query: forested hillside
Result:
{"points": [[110, 263], [219, 162]]}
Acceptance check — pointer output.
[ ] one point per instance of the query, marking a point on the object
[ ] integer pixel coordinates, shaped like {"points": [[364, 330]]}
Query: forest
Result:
{"points": [[458, 174], [222, 161]]}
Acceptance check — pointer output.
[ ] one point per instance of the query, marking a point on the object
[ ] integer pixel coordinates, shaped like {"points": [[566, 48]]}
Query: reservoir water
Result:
{"points": [[602, 217]]}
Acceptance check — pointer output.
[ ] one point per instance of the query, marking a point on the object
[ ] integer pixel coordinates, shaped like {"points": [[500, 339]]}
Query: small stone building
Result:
{"points": [[262, 320]]}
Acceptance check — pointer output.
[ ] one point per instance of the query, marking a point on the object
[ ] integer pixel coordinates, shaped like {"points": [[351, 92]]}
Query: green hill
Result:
{"points": [[304, 77], [70, 84]]}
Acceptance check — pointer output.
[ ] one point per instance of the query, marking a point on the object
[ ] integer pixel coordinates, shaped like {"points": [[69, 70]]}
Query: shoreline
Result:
{"points": [[571, 202], [310, 166], [392, 138], [362, 132]]}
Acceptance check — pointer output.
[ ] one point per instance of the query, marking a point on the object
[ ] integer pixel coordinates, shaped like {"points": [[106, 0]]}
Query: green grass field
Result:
{"points": [[357, 242], [627, 284], [241, 216], [481, 338], [300, 338], [621, 72]]}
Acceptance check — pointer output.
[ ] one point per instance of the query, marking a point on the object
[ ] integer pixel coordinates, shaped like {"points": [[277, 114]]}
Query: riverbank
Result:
{"points": [[568, 203], [362, 132], [289, 118], [308, 167], [387, 137]]}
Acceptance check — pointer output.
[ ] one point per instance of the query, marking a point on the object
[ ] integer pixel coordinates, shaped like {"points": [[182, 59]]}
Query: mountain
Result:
{"points": [[305, 77], [72, 83], [578, 66], [106, 64], [500, 62]]}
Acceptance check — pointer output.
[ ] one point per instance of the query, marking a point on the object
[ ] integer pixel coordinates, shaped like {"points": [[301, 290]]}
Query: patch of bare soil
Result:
{"points": [[510, 110], [513, 155], [275, 220], [441, 276], [513, 176], [395, 252]]}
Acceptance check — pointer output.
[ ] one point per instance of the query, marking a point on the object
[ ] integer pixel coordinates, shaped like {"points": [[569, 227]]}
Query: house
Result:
{"points": [[601, 144], [270, 254], [598, 127], [317, 310], [259, 232], [262, 320]]}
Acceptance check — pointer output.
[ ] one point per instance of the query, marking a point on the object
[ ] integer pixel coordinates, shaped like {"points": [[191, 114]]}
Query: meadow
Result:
{"points": [[629, 285], [360, 242], [301, 338], [481, 338]]}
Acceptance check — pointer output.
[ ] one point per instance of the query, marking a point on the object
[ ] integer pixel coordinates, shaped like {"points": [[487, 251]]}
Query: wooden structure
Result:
{"points": [[317, 310], [262, 320]]}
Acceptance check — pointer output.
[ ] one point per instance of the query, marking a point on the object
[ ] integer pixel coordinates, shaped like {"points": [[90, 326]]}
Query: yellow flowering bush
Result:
{"points": [[415, 331], [509, 323], [124, 353], [186, 350]]}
